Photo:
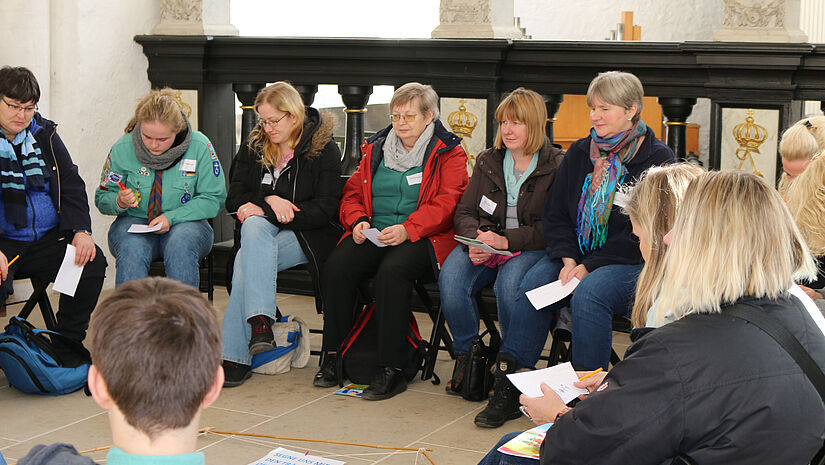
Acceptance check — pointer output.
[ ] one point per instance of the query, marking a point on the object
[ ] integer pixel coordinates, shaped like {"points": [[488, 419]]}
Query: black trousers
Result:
{"points": [[41, 259], [394, 269]]}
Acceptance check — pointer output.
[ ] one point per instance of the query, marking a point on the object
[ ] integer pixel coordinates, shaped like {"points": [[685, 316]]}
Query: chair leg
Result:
{"points": [[438, 334], [210, 281]]}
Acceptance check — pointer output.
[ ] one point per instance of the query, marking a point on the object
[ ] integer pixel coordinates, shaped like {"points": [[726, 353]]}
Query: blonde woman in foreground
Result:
{"points": [[707, 386]]}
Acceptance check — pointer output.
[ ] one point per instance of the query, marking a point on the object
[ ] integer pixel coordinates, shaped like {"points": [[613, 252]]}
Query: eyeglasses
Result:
{"points": [[17, 108], [264, 123], [408, 118]]}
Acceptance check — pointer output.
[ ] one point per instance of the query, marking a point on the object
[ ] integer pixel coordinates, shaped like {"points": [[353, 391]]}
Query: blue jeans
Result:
{"points": [[265, 250], [605, 292], [523, 333], [181, 249], [494, 457]]}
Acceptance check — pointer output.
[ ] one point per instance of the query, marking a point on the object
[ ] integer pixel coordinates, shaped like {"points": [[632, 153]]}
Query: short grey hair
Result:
{"points": [[618, 88], [427, 98]]}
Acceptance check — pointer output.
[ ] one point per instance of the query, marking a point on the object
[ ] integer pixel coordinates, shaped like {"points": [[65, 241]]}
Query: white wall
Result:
{"points": [[661, 20], [91, 73]]}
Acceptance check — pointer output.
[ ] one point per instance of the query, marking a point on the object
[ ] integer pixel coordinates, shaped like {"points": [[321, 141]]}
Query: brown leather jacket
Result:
{"points": [[488, 181]]}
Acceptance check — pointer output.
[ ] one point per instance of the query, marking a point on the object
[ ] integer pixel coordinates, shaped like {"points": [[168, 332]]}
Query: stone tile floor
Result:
{"points": [[282, 405]]}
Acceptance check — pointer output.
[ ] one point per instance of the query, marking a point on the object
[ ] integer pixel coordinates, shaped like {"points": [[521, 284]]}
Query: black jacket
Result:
{"points": [[67, 190], [713, 387], [311, 180], [560, 211]]}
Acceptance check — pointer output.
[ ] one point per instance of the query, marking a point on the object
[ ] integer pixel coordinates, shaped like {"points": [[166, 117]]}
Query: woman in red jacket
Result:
{"points": [[407, 186]]}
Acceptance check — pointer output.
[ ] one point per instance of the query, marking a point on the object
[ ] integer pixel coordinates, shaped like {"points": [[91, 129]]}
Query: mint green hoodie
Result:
{"points": [[195, 194]]}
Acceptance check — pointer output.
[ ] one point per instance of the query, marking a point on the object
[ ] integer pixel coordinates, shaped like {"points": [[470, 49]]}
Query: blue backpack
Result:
{"points": [[31, 363]]}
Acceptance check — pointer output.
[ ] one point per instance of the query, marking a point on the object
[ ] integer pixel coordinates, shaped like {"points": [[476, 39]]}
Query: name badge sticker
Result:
{"points": [[414, 179], [188, 164], [267, 179], [487, 205]]}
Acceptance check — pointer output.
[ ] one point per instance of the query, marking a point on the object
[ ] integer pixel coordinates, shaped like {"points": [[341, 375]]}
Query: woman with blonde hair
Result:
{"points": [[588, 238], [502, 208], [798, 146], [806, 200], [652, 204], [284, 188], [165, 175], [704, 387]]}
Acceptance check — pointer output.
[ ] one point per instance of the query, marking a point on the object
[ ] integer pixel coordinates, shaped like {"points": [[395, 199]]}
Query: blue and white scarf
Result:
{"points": [[18, 175]]}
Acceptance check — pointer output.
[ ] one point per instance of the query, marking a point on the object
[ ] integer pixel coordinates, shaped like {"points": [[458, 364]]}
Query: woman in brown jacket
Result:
{"points": [[502, 208]]}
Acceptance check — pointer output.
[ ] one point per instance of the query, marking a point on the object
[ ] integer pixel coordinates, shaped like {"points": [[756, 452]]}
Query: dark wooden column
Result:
{"points": [[677, 110], [552, 102], [307, 92], [355, 98], [246, 95]]}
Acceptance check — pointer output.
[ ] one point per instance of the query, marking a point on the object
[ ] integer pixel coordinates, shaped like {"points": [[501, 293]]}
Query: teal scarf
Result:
{"points": [[514, 186]]}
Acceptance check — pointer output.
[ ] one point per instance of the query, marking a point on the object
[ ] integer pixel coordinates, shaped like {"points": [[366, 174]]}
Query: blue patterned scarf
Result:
{"points": [[609, 157], [18, 175]]}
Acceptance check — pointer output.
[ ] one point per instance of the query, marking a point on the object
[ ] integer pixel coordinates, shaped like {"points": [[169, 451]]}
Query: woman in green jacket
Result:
{"points": [[164, 175]]}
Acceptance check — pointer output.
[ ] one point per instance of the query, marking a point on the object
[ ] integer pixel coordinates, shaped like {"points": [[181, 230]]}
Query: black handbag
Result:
{"points": [[478, 375]]}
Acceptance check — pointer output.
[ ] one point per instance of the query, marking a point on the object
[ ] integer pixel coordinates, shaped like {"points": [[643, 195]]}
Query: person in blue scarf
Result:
{"points": [[502, 208], [587, 235], [43, 204]]}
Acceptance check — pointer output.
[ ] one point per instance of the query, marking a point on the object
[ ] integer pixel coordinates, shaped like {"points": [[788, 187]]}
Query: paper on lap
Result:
{"points": [[551, 293], [372, 235], [144, 228], [560, 378], [478, 244]]}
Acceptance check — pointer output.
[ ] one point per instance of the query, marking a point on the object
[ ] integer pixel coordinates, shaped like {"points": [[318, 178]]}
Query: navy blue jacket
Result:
{"points": [[559, 218], [67, 189]]}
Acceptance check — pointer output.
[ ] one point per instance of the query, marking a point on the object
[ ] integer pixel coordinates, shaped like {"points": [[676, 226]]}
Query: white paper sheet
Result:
{"points": [[551, 293], [281, 456], [559, 377], [69, 274], [372, 235], [144, 228], [476, 243]]}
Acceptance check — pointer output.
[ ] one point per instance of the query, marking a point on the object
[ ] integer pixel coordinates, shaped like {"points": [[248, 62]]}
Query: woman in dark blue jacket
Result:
{"points": [[587, 235]]}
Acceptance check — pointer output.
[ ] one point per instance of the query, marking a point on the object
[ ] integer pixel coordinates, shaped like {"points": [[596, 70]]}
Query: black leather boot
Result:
{"points": [[327, 375], [503, 404]]}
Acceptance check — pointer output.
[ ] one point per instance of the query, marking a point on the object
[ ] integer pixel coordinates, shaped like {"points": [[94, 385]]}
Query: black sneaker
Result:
{"points": [[235, 373], [386, 384], [262, 339], [327, 376]]}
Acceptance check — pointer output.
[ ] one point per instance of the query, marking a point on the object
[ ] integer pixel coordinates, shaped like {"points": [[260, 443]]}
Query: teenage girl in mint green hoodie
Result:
{"points": [[164, 175]]}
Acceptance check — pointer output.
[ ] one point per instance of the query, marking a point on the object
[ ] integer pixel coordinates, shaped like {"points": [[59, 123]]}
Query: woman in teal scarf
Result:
{"points": [[588, 237]]}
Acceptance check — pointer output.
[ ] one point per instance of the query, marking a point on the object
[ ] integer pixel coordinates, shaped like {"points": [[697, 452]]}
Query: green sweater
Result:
{"points": [[394, 195], [195, 194]]}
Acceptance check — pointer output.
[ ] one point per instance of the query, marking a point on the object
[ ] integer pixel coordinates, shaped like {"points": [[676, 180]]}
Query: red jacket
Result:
{"points": [[443, 181]]}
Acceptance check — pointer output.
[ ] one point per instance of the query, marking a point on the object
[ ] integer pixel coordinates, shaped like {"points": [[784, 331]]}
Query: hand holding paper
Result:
{"points": [[560, 378], [481, 245], [551, 293]]}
